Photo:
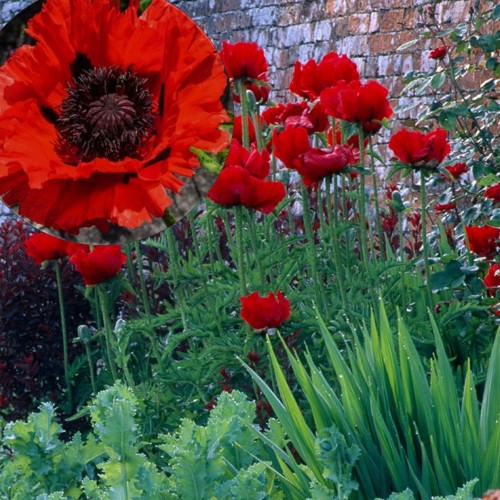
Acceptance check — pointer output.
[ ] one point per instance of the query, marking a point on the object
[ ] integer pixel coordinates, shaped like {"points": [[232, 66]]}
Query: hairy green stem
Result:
{"points": [[425, 243], [362, 201], [108, 333], [64, 331], [311, 251], [240, 255], [334, 238], [245, 133], [255, 249], [145, 302], [204, 278], [88, 353], [380, 234]]}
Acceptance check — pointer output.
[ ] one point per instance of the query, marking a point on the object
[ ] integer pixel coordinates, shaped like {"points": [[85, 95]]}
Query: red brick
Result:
{"points": [[391, 20]]}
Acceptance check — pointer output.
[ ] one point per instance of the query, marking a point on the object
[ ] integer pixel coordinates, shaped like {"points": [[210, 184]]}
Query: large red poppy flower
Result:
{"points": [[247, 62], [265, 312], [297, 114], [319, 163], [257, 163], [290, 145], [483, 240], [363, 103], [293, 148], [97, 119], [311, 78], [420, 150], [100, 264], [235, 185], [41, 247]]}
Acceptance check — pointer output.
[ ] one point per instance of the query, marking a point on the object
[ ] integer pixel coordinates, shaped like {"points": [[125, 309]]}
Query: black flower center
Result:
{"points": [[108, 113]]}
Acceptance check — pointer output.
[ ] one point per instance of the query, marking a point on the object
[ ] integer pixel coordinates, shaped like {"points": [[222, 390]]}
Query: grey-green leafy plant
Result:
{"points": [[414, 429]]}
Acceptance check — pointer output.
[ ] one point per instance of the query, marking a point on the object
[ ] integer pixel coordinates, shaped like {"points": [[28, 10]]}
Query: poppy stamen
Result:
{"points": [[108, 113]]}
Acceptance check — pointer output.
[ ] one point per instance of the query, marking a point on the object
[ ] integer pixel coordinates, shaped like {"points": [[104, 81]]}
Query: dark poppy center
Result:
{"points": [[108, 113]]}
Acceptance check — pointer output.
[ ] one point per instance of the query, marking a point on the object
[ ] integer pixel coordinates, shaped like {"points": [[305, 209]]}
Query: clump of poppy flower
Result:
{"points": [[97, 123], [420, 150], [265, 312]]}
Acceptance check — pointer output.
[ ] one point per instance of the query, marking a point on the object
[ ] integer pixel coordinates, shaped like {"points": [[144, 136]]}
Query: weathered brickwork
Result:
{"points": [[369, 31]]}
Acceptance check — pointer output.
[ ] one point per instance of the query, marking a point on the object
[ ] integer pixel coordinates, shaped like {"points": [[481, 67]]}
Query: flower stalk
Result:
{"points": [[64, 331]]}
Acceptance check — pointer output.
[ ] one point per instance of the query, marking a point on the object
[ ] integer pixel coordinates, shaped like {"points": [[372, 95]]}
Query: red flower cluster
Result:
{"points": [[438, 52], [241, 181], [493, 193], [483, 240], [420, 150], [311, 78], [98, 118], [265, 312], [363, 103], [492, 279], [99, 264], [293, 148], [247, 62]]}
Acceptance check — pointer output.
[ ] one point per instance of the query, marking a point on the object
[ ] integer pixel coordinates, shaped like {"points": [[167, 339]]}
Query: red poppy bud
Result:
{"points": [[492, 279], [438, 52]]}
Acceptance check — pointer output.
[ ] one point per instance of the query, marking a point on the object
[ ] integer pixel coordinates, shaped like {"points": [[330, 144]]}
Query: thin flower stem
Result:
{"points": [[311, 253], [64, 331], [240, 255], [402, 258], [130, 267], [255, 249], [245, 133], [145, 302], [173, 264], [362, 201], [88, 353], [380, 234], [108, 333], [204, 278], [334, 240], [425, 243], [257, 125]]}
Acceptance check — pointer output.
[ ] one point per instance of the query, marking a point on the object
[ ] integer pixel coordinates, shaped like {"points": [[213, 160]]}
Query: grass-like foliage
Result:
{"points": [[397, 425]]}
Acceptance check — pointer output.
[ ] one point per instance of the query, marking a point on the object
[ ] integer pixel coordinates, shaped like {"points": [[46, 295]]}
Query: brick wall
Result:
{"points": [[368, 31]]}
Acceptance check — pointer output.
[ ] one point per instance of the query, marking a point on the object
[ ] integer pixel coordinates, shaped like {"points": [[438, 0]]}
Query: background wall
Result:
{"points": [[368, 31]]}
